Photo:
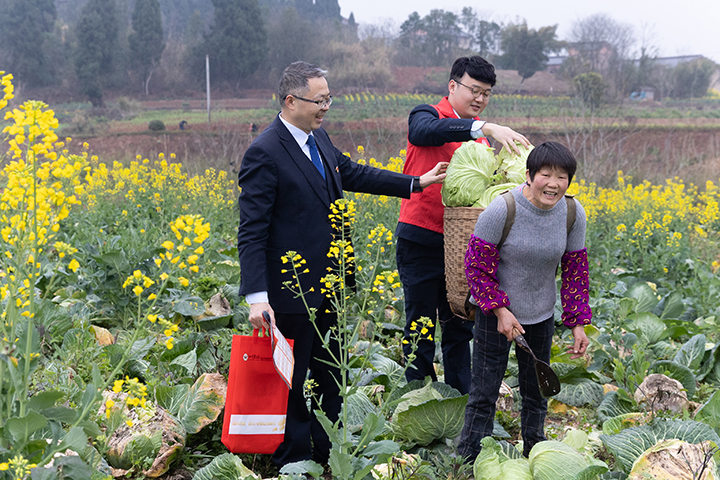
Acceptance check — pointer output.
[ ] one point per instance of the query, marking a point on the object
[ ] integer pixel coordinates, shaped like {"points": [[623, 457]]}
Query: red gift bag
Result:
{"points": [[257, 397]]}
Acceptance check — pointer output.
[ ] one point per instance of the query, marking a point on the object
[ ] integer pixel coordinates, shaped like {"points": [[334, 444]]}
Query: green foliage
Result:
{"points": [[290, 37], [692, 79], [590, 88], [146, 40], [28, 37], [469, 174], [426, 415], [548, 460], [327, 10], [579, 392], [156, 125], [629, 444], [496, 463], [429, 40], [476, 176], [709, 412], [552, 460], [485, 35], [236, 42], [225, 467], [97, 34], [525, 49], [202, 404]]}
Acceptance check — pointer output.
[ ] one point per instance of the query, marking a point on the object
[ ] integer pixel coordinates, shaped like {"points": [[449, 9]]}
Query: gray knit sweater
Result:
{"points": [[531, 253]]}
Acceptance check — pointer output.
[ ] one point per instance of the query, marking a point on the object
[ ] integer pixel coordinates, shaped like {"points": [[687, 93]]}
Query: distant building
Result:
{"points": [[554, 63], [597, 55]]}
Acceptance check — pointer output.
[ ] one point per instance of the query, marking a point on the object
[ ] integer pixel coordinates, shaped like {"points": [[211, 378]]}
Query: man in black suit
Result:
{"points": [[288, 178]]}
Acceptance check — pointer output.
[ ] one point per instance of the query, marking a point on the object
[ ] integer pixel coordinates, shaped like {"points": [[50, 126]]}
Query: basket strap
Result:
{"points": [[571, 206], [509, 218]]}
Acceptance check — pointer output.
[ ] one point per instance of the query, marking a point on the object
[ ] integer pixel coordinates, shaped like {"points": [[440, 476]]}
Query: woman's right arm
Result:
{"points": [[481, 262]]}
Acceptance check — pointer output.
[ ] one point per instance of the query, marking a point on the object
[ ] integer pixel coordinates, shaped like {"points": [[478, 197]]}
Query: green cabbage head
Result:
{"points": [[512, 166], [496, 463], [493, 191], [552, 460], [470, 172]]}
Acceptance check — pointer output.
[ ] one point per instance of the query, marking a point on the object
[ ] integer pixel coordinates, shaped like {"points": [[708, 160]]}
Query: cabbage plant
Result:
{"points": [[570, 459], [513, 166]]}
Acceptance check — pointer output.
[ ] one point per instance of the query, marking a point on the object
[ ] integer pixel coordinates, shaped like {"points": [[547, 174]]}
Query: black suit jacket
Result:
{"points": [[284, 205]]}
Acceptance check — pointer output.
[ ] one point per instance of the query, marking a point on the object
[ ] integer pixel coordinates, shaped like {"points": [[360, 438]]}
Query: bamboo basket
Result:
{"points": [[459, 224]]}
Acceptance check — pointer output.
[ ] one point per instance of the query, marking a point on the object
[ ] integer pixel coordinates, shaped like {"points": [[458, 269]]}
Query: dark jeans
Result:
{"points": [[490, 357], [301, 425], [422, 273]]}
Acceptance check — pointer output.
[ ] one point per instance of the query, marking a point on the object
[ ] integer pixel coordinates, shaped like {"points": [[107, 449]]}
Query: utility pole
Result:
{"points": [[207, 83]]}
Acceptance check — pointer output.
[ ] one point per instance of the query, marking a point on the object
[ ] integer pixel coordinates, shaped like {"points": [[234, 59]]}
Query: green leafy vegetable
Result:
{"points": [[475, 176], [494, 463], [225, 467], [513, 166], [552, 460], [493, 191], [426, 415], [469, 174], [629, 444]]}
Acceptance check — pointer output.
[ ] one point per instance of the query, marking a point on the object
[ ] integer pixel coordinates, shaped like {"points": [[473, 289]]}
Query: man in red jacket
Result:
{"points": [[434, 133]]}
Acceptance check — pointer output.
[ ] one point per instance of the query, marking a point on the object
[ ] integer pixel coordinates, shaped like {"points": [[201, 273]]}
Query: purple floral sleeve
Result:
{"points": [[481, 264], [575, 292]]}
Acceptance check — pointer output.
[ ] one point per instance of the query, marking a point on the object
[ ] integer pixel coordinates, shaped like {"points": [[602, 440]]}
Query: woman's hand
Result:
{"points": [[581, 342], [507, 323]]}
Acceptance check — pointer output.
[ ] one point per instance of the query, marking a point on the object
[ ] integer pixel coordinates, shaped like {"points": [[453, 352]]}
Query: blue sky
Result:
{"points": [[690, 27]]}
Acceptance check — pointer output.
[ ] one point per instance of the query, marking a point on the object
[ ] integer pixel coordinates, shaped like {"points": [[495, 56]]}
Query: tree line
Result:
{"points": [[159, 46]]}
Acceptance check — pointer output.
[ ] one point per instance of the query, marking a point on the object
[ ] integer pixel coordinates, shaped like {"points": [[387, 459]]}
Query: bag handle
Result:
{"points": [[256, 331]]}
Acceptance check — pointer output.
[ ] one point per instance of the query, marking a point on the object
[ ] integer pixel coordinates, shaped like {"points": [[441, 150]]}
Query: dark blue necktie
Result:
{"points": [[315, 155]]}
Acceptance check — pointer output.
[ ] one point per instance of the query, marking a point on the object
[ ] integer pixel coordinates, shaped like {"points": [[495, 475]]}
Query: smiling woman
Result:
{"points": [[549, 173], [513, 282]]}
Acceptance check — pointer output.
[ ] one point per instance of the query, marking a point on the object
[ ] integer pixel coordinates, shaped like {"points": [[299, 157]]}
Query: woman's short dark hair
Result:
{"points": [[553, 155], [476, 67]]}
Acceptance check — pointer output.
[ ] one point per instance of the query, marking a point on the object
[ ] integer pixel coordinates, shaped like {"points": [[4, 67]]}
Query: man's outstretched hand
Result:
{"points": [[506, 136], [435, 175]]}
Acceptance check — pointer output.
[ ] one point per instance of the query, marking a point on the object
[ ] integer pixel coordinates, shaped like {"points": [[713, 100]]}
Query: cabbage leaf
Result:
{"points": [[493, 191], [495, 463], [553, 460], [225, 467], [469, 174], [513, 166]]}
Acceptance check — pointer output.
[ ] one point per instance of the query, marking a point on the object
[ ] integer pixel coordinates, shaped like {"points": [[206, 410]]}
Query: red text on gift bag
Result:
{"points": [[256, 403]]}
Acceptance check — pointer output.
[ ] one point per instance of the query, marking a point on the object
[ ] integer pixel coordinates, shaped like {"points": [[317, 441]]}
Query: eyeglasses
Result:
{"points": [[476, 91], [324, 103]]}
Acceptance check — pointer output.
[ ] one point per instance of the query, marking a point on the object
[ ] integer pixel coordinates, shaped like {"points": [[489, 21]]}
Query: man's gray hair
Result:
{"points": [[294, 79]]}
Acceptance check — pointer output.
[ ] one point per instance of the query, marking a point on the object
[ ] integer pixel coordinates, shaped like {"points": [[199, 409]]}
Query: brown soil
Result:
{"points": [[690, 150]]}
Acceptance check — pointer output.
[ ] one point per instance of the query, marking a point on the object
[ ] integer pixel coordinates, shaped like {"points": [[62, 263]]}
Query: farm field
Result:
{"points": [[650, 141], [119, 291]]}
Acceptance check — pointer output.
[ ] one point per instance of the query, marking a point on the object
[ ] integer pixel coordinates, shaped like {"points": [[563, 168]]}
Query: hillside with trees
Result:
{"points": [[85, 50]]}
